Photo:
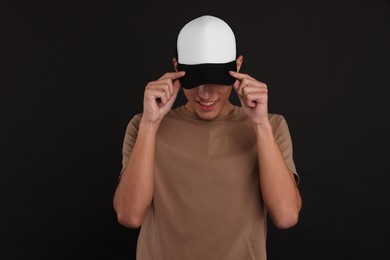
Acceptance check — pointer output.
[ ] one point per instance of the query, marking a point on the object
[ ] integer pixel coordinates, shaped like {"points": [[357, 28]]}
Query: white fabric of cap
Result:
{"points": [[206, 39]]}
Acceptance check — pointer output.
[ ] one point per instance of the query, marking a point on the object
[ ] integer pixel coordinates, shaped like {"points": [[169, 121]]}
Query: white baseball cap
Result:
{"points": [[206, 49]]}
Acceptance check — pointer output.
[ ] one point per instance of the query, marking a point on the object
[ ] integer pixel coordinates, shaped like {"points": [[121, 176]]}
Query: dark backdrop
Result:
{"points": [[72, 76]]}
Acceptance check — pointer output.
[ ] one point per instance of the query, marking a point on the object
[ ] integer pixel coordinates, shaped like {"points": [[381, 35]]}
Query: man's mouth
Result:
{"points": [[207, 104]]}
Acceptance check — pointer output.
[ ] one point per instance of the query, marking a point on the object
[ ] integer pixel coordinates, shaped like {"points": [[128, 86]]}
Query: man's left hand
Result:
{"points": [[253, 96]]}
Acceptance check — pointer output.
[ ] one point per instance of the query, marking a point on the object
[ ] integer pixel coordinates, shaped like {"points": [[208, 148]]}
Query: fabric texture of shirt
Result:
{"points": [[207, 201]]}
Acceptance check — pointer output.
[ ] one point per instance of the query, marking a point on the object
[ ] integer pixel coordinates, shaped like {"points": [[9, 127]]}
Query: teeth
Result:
{"points": [[206, 103]]}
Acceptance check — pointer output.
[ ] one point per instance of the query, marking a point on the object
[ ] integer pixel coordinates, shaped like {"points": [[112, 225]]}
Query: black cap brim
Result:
{"points": [[208, 73]]}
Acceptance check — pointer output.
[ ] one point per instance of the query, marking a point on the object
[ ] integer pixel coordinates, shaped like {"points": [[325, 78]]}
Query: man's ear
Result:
{"points": [[174, 62], [239, 61]]}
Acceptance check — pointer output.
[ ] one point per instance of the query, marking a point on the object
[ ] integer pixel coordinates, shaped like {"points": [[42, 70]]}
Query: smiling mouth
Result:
{"points": [[207, 104]]}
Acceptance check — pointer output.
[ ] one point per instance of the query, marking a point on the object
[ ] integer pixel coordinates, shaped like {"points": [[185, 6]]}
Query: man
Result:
{"points": [[200, 179]]}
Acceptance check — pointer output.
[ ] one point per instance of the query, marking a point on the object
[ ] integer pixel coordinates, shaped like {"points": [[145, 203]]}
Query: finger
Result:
{"points": [[250, 85], [254, 89], [243, 85], [159, 91], [176, 86], [173, 75], [239, 76], [253, 99], [160, 97], [165, 83], [236, 85]]}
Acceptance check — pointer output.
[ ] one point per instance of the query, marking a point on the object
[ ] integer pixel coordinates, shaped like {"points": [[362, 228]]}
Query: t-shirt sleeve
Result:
{"points": [[129, 140], [283, 139]]}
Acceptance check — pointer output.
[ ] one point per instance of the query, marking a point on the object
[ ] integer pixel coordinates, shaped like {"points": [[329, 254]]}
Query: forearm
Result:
{"points": [[279, 190], [135, 190]]}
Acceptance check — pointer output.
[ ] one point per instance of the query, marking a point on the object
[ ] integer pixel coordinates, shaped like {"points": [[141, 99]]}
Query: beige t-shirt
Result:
{"points": [[207, 202]]}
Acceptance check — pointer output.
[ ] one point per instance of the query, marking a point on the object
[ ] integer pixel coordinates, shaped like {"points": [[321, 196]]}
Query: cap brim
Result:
{"points": [[208, 73]]}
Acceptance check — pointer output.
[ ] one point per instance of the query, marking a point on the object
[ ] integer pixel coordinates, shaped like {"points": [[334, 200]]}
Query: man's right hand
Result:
{"points": [[159, 97]]}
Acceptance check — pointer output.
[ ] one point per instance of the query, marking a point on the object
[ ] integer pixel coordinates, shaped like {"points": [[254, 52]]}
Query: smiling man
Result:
{"points": [[200, 179]]}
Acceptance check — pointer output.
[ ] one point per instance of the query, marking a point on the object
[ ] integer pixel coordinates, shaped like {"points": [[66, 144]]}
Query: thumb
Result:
{"points": [[169, 104], [236, 84], [176, 86]]}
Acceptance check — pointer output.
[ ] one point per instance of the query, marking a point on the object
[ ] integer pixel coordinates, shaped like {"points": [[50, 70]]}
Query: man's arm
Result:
{"points": [[278, 187], [134, 193]]}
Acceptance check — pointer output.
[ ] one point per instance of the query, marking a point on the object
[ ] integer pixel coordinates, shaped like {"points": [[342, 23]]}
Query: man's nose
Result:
{"points": [[204, 91]]}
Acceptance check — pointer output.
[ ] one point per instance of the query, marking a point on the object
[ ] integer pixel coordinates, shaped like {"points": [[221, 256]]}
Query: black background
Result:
{"points": [[73, 74]]}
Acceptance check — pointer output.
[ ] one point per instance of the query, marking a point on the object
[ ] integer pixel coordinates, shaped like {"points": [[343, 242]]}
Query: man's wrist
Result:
{"points": [[150, 127], [263, 128]]}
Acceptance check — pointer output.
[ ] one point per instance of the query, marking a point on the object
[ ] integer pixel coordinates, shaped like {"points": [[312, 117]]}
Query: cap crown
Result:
{"points": [[206, 39]]}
